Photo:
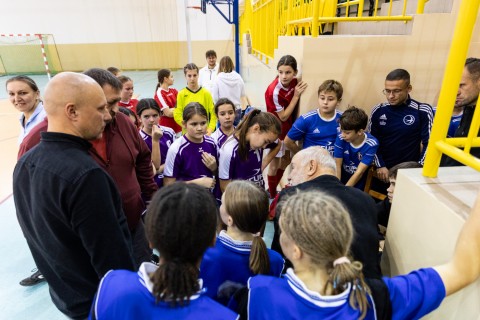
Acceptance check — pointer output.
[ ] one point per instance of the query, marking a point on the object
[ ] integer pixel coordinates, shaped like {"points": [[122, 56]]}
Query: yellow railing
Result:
{"points": [[266, 20], [438, 143]]}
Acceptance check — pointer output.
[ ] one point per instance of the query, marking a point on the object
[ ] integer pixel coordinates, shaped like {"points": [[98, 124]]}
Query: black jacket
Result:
{"points": [[71, 215]]}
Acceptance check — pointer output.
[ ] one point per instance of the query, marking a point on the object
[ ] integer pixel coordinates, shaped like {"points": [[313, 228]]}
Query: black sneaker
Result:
{"points": [[36, 278]]}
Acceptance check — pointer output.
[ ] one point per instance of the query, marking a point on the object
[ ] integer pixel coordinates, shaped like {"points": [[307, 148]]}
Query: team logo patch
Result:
{"points": [[409, 120], [383, 117], [316, 130]]}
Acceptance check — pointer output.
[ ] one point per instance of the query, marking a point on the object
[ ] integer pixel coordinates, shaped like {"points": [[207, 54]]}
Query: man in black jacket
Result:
{"points": [[69, 208], [467, 96], [314, 168]]}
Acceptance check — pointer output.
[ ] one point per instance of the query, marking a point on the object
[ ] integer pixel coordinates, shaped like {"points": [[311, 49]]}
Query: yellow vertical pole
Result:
{"points": [[289, 18], [462, 35], [360, 8], [316, 9], [421, 6]]}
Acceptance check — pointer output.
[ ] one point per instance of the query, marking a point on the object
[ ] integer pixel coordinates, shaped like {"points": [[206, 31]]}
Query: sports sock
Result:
{"points": [[272, 185]]}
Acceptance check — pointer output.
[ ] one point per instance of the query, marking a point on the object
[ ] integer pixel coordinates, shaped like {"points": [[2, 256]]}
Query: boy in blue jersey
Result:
{"points": [[401, 125], [318, 127], [354, 148]]}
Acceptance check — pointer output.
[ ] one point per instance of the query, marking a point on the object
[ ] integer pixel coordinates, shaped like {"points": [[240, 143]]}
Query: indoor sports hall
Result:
{"points": [[355, 42]]}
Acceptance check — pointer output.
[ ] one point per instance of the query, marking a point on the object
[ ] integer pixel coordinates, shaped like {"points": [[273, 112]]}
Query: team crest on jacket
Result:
{"points": [[408, 119]]}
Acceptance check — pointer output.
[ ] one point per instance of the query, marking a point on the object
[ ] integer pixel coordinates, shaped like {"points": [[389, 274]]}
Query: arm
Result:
{"points": [[224, 184], [212, 124], [269, 157], [164, 107], [168, 181], [143, 167], [156, 156], [426, 120], [178, 111], [291, 145], [287, 112], [362, 168], [168, 112], [339, 162], [464, 268]]}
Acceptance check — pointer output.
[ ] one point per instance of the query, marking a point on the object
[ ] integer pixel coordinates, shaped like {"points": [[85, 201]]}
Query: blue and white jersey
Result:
{"points": [[231, 167], [354, 155], [184, 159], [454, 123], [400, 131], [227, 264], [125, 295], [412, 296], [219, 137], [315, 130], [165, 143]]}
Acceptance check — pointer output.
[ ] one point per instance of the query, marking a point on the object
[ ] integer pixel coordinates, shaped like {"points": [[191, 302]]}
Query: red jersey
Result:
{"points": [[277, 98], [167, 99], [132, 105]]}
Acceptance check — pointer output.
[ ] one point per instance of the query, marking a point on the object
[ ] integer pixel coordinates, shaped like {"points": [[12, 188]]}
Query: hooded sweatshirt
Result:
{"points": [[229, 85]]}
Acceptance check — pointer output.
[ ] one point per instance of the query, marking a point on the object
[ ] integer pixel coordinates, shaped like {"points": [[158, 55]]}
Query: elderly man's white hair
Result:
{"points": [[320, 155]]}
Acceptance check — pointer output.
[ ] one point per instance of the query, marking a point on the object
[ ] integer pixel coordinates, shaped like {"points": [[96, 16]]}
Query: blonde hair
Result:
{"points": [[248, 205], [321, 227]]}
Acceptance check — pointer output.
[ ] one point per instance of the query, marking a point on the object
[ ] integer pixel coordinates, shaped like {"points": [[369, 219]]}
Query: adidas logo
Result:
{"points": [[346, 152], [383, 117], [316, 130]]}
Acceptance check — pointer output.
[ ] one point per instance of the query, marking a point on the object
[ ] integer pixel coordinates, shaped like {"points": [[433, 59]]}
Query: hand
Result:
{"points": [[299, 88], [206, 182], [157, 133], [382, 174], [209, 161]]}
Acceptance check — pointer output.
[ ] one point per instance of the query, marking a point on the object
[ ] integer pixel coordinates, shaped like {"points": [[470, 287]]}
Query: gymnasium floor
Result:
{"points": [[16, 261]]}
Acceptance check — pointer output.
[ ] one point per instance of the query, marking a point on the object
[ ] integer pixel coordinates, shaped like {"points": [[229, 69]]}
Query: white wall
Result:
{"points": [[112, 21]]}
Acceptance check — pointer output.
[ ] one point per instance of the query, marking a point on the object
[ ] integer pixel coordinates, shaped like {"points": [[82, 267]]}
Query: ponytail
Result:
{"points": [[174, 281], [259, 261], [344, 273]]}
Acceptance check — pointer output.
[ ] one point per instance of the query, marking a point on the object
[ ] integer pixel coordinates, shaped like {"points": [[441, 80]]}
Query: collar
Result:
{"points": [[316, 298], [225, 239], [64, 137], [147, 268], [38, 109]]}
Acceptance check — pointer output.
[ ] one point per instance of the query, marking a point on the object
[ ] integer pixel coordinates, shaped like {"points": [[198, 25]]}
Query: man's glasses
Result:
{"points": [[395, 92]]}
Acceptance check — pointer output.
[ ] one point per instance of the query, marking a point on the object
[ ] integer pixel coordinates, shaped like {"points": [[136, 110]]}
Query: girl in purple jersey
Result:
{"points": [[241, 156], [193, 157], [180, 223], [225, 111], [326, 284], [158, 138], [239, 251]]}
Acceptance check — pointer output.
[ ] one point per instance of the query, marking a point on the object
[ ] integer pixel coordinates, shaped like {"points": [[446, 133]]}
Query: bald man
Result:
{"points": [[69, 209]]}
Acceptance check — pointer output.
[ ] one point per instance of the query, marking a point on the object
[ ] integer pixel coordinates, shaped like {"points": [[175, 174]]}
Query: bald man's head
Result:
{"points": [[75, 104], [310, 163]]}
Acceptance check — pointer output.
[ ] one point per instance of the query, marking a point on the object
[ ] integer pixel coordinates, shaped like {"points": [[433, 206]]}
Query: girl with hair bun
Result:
{"points": [[180, 223], [239, 251], [241, 156], [326, 284], [157, 137]]}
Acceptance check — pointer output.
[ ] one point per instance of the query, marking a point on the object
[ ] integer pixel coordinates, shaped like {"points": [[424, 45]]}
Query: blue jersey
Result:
{"points": [[128, 295], [184, 159], [231, 167], [454, 123], [412, 296], [354, 155], [401, 131], [165, 143], [315, 130], [228, 263]]}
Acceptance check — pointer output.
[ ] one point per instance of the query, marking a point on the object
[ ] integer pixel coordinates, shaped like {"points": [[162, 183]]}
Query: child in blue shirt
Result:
{"points": [[355, 149], [326, 284], [239, 251], [180, 223], [318, 127]]}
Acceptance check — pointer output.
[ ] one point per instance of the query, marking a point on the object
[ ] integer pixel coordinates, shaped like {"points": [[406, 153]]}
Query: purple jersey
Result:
{"points": [[219, 137], [232, 167], [184, 159], [165, 143]]}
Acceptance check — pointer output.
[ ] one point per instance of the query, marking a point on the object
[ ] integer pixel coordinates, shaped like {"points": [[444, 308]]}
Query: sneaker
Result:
{"points": [[36, 278]]}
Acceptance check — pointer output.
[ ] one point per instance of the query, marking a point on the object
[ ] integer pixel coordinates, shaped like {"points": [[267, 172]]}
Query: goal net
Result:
{"points": [[28, 54]]}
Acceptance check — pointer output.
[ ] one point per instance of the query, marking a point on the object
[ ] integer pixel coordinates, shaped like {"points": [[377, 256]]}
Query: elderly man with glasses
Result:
{"points": [[402, 126]]}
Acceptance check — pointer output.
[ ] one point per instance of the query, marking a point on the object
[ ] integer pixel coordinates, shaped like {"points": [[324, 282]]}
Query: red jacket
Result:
{"points": [[128, 163]]}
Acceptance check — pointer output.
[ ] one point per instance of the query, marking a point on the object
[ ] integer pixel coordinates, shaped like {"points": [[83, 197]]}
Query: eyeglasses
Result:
{"points": [[395, 92]]}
